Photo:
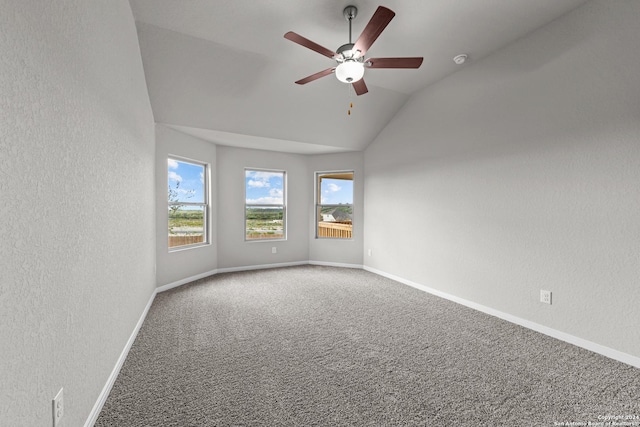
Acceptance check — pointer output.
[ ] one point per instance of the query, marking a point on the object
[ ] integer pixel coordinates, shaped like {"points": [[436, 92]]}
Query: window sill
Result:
{"points": [[188, 247]]}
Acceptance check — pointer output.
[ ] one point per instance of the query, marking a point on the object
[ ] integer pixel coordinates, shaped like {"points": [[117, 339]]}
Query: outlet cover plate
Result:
{"points": [[58, 408], [545, 296]]}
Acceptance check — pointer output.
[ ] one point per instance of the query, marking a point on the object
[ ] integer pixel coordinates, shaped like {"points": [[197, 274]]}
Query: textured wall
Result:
{"points": [[520, 173], [233, 250], [77, 246], [228, 248], [178, 265]]}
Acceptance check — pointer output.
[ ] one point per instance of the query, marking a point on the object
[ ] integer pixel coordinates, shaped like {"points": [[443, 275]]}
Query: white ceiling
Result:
{"points": [[221, 70]]}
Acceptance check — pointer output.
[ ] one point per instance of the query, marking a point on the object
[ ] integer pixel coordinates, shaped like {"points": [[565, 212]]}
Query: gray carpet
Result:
{"points": [[322, 346]]}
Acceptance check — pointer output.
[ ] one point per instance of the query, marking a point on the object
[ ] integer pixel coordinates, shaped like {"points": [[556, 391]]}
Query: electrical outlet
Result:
{"points": [[58, 408], [545, 296], [369, 252], [274, 250]]}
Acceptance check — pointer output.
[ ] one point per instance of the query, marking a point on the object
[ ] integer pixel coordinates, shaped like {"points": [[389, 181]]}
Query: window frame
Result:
{"points": [[319, 205], [283, 205], [206, 232]]}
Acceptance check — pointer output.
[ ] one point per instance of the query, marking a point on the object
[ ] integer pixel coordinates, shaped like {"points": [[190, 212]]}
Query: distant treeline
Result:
{"points": [[264, 214], [186, 214], [345, 209]]}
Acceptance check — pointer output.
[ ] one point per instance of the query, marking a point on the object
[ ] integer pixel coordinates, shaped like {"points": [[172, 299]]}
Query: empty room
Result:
{"points": [[319, 213]]}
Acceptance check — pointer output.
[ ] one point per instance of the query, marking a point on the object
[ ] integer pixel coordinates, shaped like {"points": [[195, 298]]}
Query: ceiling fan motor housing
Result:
{"points": [[346, 52]]}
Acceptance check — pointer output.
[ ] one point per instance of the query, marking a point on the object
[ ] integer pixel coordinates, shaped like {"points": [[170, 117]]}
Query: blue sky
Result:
{"points": [[336, 191], [264, 188], [191, 179]]}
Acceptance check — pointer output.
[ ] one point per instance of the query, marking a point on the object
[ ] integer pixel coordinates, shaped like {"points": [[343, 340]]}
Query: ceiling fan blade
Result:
{"points": [[316, 76], [360, 87], [378, 22], [409, 62], [297, 38]]}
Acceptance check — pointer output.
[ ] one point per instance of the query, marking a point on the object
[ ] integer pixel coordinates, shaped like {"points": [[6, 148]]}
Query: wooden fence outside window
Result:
{"points": [[335, 230]]}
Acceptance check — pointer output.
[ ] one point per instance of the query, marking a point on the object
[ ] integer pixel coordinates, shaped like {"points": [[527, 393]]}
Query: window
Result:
{"points": [[334, 205], [188, 201], [265, 204]]}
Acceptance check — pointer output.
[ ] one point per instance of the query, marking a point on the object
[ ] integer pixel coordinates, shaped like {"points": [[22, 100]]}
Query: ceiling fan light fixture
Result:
{"points": [[350, 71]]}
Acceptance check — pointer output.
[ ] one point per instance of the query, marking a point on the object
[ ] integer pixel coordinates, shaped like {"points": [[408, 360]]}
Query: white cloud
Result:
{"points": [[333, 187], [257, 184], [265, 201], [172, 164], [174, 176], [262, 175], [275, 192], [202, 177], [185, 191], [261, 179]]}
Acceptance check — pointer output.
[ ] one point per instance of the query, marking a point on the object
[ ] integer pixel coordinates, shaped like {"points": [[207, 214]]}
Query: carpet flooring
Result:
{"points": [[323, 346]]}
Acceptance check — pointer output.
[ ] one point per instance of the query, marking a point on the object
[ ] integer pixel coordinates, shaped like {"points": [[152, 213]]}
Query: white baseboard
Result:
{"points": [[248, 268], [186, 280], [554, 333], [102, 398], [335, 264], [261, 267]]}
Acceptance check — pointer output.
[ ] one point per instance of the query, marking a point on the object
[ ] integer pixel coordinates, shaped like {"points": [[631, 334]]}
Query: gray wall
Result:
{"points": [[177, 265], [77, 251], [229, 250], [233, 250], [520, 173]]}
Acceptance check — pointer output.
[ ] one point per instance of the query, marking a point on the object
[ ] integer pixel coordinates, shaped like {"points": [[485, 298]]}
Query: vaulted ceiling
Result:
{"points": [[222, 71]]}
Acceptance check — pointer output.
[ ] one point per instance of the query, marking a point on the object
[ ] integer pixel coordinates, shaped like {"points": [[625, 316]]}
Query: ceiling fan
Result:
{"points": [[350, 59]]}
